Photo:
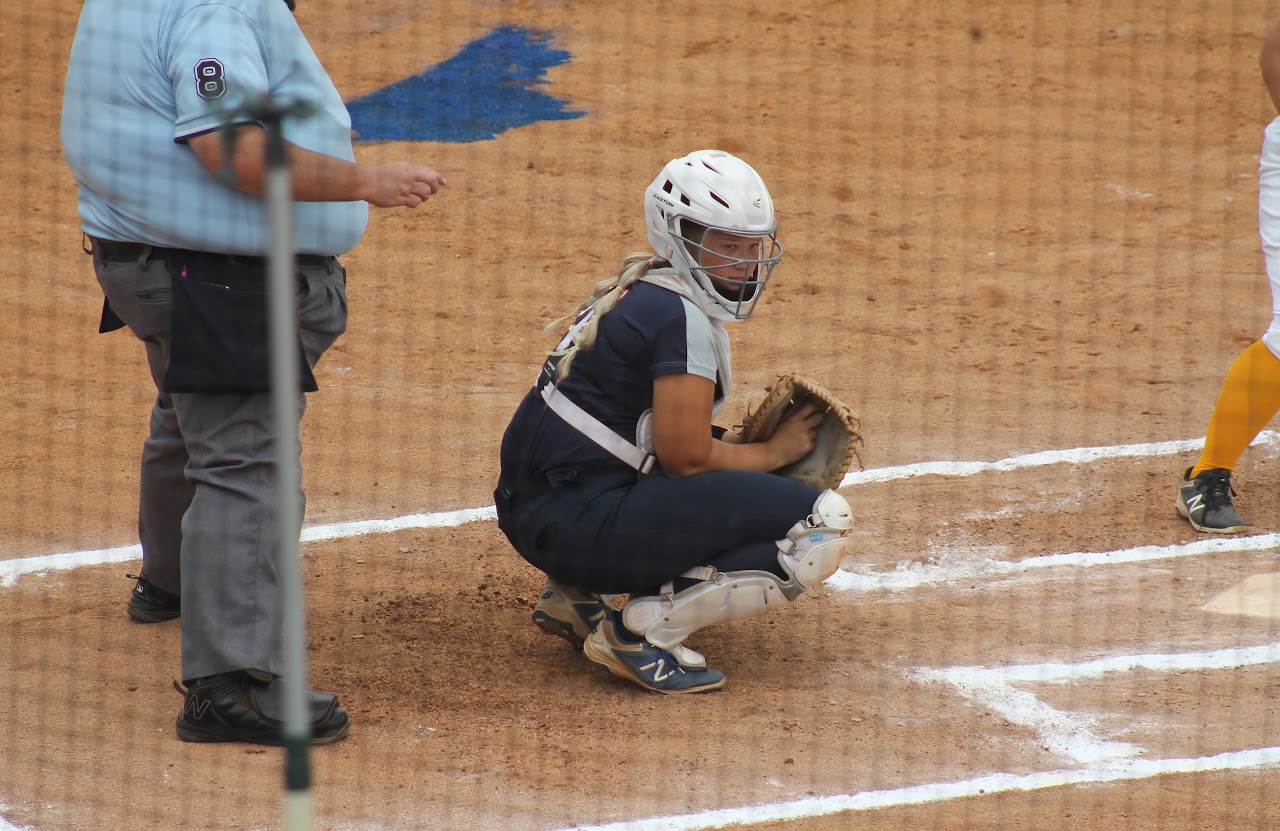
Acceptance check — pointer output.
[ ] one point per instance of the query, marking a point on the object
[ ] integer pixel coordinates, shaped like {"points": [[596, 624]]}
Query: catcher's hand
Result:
{"points": [[835, 437]]}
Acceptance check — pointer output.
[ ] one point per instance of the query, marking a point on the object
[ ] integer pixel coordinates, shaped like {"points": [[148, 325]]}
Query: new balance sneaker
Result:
{"points": [[567, 613], [1206, 502], [151, 604], [642, 663], [236, 707]]}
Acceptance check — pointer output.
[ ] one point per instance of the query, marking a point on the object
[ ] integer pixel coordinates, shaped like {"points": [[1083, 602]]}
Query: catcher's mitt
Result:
{"points": [[837, 436]]}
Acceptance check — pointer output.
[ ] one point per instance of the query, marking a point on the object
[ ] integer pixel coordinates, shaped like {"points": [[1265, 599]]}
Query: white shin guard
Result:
{"points": [[669, 618], [810, 553]]}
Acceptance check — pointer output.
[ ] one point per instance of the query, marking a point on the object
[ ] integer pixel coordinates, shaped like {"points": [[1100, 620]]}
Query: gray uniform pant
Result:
{"points": [[207, 502]]}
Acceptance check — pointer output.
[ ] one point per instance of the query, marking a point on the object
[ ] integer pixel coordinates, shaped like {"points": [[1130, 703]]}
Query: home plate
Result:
{"points": [[1258, 596]]}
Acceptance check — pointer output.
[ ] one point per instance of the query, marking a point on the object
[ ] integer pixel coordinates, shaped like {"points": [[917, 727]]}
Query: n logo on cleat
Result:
{"points": [[1195, 503], [195, 706], [658, 674]]}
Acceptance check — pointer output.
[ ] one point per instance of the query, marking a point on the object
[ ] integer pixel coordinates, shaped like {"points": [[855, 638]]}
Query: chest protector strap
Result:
{"points": [[591, 427]]}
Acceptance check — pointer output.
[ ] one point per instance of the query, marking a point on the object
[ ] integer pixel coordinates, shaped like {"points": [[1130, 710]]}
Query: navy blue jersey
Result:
{"points": [[650, 332]]}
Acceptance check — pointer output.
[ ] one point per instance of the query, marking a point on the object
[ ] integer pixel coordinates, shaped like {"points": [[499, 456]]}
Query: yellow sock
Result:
{"points": [[1250, 398]]}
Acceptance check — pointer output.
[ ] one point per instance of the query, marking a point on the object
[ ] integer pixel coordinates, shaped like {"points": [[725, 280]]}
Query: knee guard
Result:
{"points": [[812, 550], [669, 618]]}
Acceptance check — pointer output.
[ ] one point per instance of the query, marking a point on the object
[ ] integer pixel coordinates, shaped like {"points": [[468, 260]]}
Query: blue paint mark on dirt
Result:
{"points": [[486, 89]]}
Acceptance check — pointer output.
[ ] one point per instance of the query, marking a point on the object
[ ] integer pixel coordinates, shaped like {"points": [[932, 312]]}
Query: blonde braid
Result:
{"points": [[603, 298]]}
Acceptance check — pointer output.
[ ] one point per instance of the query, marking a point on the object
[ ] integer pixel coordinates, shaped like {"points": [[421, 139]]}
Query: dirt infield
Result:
{"points": [[1010, 229]]}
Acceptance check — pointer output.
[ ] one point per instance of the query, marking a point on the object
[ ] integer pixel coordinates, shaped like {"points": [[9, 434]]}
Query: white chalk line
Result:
{"points": [[1118, 770], [11, 569], [1076, 735], [1079, 455], [1228, 658], [912, 575]]}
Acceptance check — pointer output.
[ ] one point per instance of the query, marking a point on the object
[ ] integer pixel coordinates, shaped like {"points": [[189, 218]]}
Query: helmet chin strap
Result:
{"points": [[710, 304], [741, 293], [737, 297]]}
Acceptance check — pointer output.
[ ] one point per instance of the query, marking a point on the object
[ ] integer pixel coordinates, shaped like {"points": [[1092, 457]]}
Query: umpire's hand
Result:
{"points": [[398, 184]]}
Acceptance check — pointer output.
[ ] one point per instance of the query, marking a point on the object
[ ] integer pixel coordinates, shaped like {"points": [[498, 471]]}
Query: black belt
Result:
{"points": [[127, 252]]}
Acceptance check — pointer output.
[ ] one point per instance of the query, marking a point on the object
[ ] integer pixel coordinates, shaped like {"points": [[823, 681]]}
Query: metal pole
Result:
{"points": [[285, 390]]}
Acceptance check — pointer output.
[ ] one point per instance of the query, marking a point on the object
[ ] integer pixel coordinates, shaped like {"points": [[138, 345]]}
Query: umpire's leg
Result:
{"points": [[140, 294], [232, 611]]}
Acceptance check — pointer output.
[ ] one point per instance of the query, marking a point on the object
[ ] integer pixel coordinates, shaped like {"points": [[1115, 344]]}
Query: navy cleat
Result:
{"points": [[640, 662]]}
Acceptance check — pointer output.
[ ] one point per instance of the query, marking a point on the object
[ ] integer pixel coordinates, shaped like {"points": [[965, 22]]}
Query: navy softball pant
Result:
{"points": [[605, 532]]}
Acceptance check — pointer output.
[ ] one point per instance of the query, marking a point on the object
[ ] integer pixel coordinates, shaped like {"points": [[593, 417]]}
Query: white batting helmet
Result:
{"points": [[711, 189]]}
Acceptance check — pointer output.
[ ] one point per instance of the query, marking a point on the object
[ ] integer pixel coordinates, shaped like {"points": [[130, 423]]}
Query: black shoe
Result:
{"points": [[234, 707], [1206, 502], [150, 604]]}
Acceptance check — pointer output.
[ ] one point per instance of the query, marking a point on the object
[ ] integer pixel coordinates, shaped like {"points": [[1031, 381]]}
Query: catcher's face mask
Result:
{"points": [[736, 266]]}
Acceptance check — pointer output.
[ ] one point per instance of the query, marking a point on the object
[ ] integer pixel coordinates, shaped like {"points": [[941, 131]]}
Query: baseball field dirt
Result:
{"points": [[1021, 241]]}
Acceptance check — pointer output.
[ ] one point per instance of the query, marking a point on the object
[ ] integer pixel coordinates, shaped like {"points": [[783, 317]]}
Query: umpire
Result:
{"points": [[173, 216]]}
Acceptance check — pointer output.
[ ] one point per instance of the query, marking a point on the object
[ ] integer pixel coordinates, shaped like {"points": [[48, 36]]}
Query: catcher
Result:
{"points": [[614, 480]]}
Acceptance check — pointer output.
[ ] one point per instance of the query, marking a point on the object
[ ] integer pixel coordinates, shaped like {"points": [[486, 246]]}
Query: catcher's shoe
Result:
{"points": [[236, 707], [1206, 502], [152, 604], [642, 663], [567, 613]]}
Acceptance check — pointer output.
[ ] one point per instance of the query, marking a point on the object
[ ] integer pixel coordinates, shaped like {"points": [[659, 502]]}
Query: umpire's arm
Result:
{"points": [[316, 177]]}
